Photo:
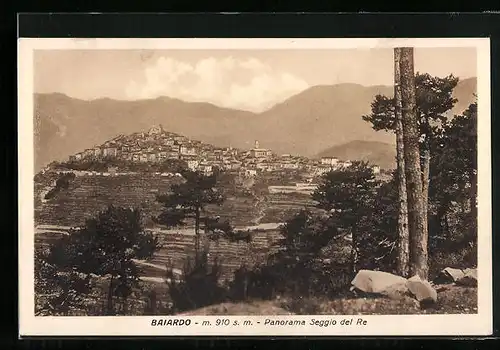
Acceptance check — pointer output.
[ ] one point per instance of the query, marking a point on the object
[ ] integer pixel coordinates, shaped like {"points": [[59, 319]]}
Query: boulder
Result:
{"points": [[469, 278], [422, 290], [379, 282], [451, 275]]}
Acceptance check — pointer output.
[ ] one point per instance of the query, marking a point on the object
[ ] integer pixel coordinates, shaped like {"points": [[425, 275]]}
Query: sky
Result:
{"points": [[251, 80]]}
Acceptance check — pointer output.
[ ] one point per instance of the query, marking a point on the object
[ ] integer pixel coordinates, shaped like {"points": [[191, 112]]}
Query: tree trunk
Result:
{"points": [[416, 218], [197, 234], [441, 214], [473, 197], [403, 259], [473, 204], [426, 162], [205, 240], [354, 253], [110, 308]]}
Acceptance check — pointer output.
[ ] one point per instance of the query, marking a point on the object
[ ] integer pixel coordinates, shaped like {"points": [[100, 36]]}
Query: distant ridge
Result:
{"points": [[305, 124], [379, 153]]}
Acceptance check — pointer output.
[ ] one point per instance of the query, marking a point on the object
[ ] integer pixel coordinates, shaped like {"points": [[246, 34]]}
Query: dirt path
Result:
{"points": [[159, 267]]}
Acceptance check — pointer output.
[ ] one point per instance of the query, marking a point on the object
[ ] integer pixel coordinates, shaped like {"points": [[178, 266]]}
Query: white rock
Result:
{"points": [[379, 282], [422, 290], [469, 279], [452, 275]]}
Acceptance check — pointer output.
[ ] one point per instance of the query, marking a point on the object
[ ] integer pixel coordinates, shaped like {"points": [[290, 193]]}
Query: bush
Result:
{"points": [[303, 306], [198, 287], [262, 282], [461, 259], [267, 281], [153, 304], [62, 183], [58, 292]]}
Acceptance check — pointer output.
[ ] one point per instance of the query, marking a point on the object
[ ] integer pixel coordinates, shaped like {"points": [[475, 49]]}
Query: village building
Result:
{"points": [[110, 152], [136, 157], [192, 164], [88, 153], [152, 157], [258, 152], [126, 156], [235, 165], [188, 151], [156, 130], [250, 172], [321, 170], [162, 155], [169, 142], [172, 155], [205, 168], [332, 161], [290, 165]]}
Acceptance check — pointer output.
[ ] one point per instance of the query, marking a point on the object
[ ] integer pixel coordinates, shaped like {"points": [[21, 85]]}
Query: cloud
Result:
{"points": [[229, 82]]}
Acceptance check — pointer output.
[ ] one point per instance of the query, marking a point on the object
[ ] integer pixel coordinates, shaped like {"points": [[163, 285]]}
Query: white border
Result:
{"points": [[478, 324]]}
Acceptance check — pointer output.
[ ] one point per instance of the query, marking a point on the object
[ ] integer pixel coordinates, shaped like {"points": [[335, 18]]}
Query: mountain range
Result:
{"points": [[314, 122]]}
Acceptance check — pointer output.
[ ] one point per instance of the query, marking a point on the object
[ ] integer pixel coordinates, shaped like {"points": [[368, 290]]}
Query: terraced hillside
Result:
{"points": [[279, 207], [177, 248], [87, 195]]}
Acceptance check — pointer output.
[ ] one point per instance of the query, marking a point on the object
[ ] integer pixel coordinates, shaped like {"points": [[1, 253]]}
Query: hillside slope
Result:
{"points": [[379, 153], [64, 125], [321, 117]]}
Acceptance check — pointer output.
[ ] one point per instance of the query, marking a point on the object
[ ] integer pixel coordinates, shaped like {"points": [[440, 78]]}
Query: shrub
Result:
{"points": [[303, 306], [199, 285], [58, 292], [465, 257], [261, 282]]}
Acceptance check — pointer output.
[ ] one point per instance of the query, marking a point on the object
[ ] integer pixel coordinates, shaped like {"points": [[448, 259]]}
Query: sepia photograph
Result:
{"points": [[257, 186]]}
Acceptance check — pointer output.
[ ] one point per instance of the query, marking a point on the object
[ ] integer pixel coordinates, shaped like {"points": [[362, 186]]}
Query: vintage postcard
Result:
{"points": [[187, 187]]}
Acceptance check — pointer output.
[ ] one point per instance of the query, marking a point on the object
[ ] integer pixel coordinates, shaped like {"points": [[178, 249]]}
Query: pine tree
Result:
{"points": [[107, 246], [403, 233], [188, 200], [416, 207], [348, 195]]}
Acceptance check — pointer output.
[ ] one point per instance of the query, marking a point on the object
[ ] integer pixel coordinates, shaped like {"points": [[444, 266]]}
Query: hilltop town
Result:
{"points": [[158, 146]]}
